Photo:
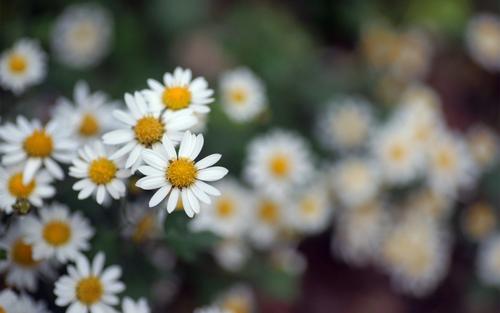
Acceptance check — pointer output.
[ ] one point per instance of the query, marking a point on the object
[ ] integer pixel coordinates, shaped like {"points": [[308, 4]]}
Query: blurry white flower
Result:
{"points": [[8, 301], [238, 299], [411, 55], [484, 145], [131, 306], [268, 220], [430, 203], [209, 309], [289, 260], [243, 94], [98, 174], [36, 146], [488, 262], [179, 91], [201, 123], [13, 188], [140, 223], [27, 304], [483, 40], [89, 287], [176, 174], [278, 161], [82, 35], [231, 254], [57, 233], [478, 220], [144, 128], [22, 66]]}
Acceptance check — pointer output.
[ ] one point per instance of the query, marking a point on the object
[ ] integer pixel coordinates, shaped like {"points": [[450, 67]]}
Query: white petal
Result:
{"points": [[31, 167], [172, 200], [208, 161], [212, 173], [159, 195]]}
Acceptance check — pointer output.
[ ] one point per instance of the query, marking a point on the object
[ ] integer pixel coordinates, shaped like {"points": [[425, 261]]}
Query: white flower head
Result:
{"points": [[243, 94], [8, 301], [479, 220], [231, 254], [488, 262], [484, 145], [22, 66], [268, 220], [131, 306], [141, 223], [27, 304], [36, 147], [82, 35], [89, 287], [238, 299], [98, 174], [145, 127], [179, 91], [483, 40], [57, 233], [176, 175]]}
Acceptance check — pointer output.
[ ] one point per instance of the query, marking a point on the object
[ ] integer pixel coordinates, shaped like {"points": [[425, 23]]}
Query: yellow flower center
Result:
{"points": [[149, 130], [17, 63], [236, 305], [18, 189], [181, 173], [397, 152], [279, 165], [268, 212], [480, 220], [2, 310], [89, 290], [238, 95], [445, 160], [309, 206], [22, 254], [225, 208], [409, 253], [39, 144], [102, 171], [89, 126], [176, 98], [143, 228], [57, 233]]}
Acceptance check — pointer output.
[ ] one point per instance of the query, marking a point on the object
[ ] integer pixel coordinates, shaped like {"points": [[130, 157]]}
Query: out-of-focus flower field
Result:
{"points": [[250, 156]]}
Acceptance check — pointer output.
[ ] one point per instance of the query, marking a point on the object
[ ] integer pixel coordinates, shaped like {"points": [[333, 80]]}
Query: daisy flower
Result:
{"points": [[36, 146], [228, 214], [131, 306], [27, 304], [12, 187], [98, 174], [484, 145], [89, 287], [411, 55], [82, 35], [141, 223], [179, 91], [144, 128], [345, 124], [231, 254], [243, 94], [268, 220], [238, 299], [482, 38], [8, 302], [57, 233], [488, 262], [22, 66], [430, 203], [177, 175], [289, 260], [88, 115], [479, 220], [278, 161]]}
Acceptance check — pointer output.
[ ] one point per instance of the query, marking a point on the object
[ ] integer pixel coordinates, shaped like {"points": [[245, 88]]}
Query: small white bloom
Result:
{"points": [[131, 306], [22, 66], [484, 145], [430, 203], [483, 40], [141, 223], [98, 174], [489, 260], [27, 304], [8, 302], [269, 219], [231, 254], [238, 299], [479, 220]]}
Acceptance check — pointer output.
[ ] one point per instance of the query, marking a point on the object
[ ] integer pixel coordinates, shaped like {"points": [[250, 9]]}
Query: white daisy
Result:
{"points": [[430, 203], [483, 40], [278, 161], [355, 180], [98, 174], [39, 146], [27, 304], [22, 66], [141, 223], [231, 254], [489, 260], [177, 175], [484, 145], [179, 91], [82, 35], [346, 123], [268, 221], [144, 128], [479, 220], [89, 287], [243, 94], [8, 301], [238, 299], [12, 187], [228, 214], [57, 233], [131, 306], [88, 115]]}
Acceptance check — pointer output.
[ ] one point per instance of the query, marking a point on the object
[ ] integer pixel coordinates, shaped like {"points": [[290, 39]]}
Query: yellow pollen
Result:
{"points": [[279, 165], [102, 171], [176, 98], [238, 95], [143, 228], [149, 130], [57, 233], [38, 144], [17, 63], [225, 208], [22, 254], [89, 126], [18, 189], [445, 160], [309, 206], [268, 212], [181, 173], [237, 305], [89, 290], [397, 152], [480, 220], [2, 310], [409, 253]]}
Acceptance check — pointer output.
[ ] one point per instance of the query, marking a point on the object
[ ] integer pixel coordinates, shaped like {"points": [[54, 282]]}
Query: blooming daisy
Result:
{"points": [[411, 56], [278, 161], [37, 145], [243, 94], [228, 214], [346, 123], [484, 145], [98, 174], [231, 254], [27, 304], [57, 233], [479, 220], [87, 116], [22, 66], [12, 187], [268, 220], [131, 306], [489, 260], [145, 127], [89, 287], [82, 35], [483, 40], [8, 301], [430, 203], [238, 299], [179, 91], [177, 175], [141, 223]]}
